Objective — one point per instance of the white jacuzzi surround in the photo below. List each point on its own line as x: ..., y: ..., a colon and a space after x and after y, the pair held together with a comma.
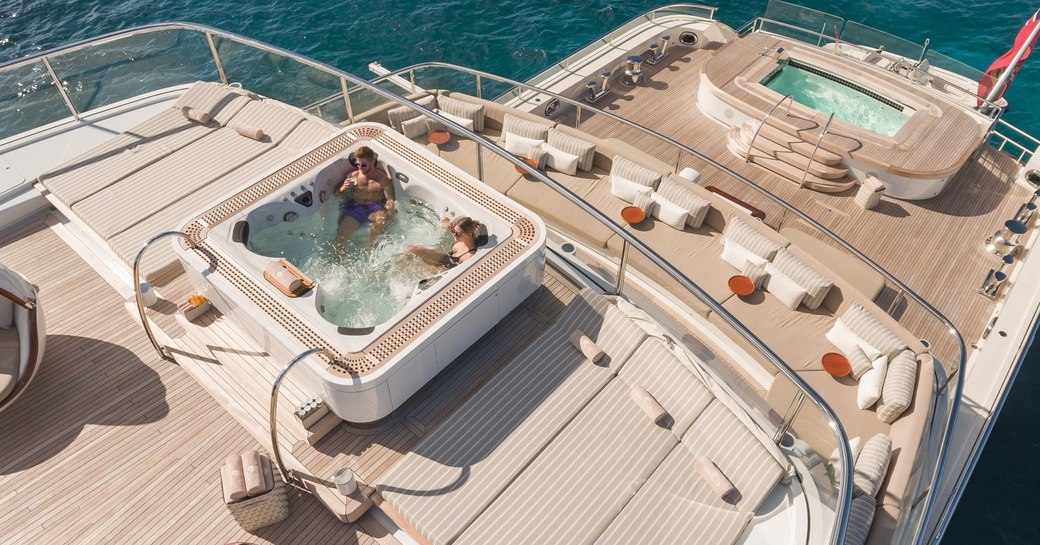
x: 373, y: 395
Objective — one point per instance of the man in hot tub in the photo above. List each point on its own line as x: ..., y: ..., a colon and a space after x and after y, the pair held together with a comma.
x: 368, y: 196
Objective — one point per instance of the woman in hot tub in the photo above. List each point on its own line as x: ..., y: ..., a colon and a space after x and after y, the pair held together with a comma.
x: 368, y: 196
x: 469, y: 234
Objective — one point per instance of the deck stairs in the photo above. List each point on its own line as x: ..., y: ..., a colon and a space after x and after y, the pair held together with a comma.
x: 786, y: 154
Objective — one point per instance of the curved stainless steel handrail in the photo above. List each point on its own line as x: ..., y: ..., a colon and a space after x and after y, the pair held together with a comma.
x: 276, y: 451
x: 762, y: 123
x: 816, y: 148
x: 137, y: 288
x: 941, y: 318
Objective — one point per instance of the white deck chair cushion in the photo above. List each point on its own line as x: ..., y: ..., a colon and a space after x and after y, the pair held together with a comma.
x: 585, y: 151
x: 668, y: 212
x: 872, y: 465
x: 562, y: 161
x: 757, y: 243
x: 738, y: 256
x: 627, y: 190
x: 786, y: 290
x: 873, y: 332
x: 871, y: 383
x: 399, y: 115
x: 465, y: 110
x: 846, y: 340
x: 859, y: 361
x: 898, y: 390
x: 816, y: 285
x: 696, y: 207
x: 527, y: 128
x: 6, y: 313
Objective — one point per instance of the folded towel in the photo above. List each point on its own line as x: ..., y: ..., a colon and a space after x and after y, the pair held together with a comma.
x: 586, y: 346
x: 650, y: 406
x: 716, y: 479
x: 225, y: 481
x: 254, y: 476
x: 268, y: 471
x: 195, y: 115
x: 235, y: 487
x: 248, y: 131
x: 280, y: 276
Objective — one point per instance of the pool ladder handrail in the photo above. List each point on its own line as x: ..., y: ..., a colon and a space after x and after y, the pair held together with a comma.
x: 751, y: 144
x: 287, y: 474
x: 816, y: 148
x: 163, y: 354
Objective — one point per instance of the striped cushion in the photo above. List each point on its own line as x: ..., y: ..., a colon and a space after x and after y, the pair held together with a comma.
x: 872, y: 465
x: 861, y: 516
x: 755, y: 242
x: 399, y: 115
x: 816, y: 285
x: 756, y: 271
x: 625, y: 169
x: 525, y: 127
x: 586, y: 151
x: 873, y: 332
x: 467, y: 110
x: 859, y: 361
x: 898, y: 391
x: 693, y: 203
x: 644, y: 202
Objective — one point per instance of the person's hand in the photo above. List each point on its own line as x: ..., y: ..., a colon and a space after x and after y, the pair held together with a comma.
x: 348, y: 183
x: 390, y: 205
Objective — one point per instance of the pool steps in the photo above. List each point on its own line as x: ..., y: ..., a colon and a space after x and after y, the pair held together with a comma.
x: 787, y: 155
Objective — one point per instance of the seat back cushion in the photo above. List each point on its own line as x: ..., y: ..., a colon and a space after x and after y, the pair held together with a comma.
x: 816, y: 285
x: 467, y: 110
x: 695, y: 205
x: 399, y: 115
x: 585, y: 150
x: 536, y: 130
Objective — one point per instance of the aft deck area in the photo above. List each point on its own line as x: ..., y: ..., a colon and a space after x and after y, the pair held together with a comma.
x: 919, y: 242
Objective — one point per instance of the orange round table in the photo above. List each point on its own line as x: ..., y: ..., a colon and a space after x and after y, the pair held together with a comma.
x: 440, y: 137
x: 836, y: 364
x: 632, y: 214
x: 530, y: 162
x: 741, y: 285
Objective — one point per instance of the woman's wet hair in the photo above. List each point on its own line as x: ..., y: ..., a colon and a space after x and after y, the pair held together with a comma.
x: 472, y: 227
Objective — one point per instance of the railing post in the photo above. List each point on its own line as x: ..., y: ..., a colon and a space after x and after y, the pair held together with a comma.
x: 480, y: 162
x: 577, y: 116
x: 788, y: 421
x: 137, y: 288
x: 480, y: 92
x: 619, y: 283
x: 346, y: 99
x: 287, y: 474
x: 924, y: 50
x: 61, y: 88
x: 411, y: 79
x: 216, y: 57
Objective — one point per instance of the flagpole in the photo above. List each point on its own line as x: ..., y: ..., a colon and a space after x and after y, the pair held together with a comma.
x: 1009, y: 71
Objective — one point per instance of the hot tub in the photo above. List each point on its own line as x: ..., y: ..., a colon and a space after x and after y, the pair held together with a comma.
x: 382, y: 359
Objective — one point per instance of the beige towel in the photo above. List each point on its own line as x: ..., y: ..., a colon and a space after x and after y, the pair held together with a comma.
x: 248, y: 131
x: 281, y: 276
x: 650, y: 406
x: 254, y: 476
x: 586, y: 346
x: 716, y: 479
x: 195, y: 115
x: 225, y: 480
x: 235, y: 487
x: 268, y: 471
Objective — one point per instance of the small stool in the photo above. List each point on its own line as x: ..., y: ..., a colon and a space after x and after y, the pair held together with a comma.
x: 869, y: 194
x: 690, y: 174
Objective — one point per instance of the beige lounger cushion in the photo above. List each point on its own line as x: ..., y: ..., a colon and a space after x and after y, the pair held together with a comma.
x: 527, y: 128
x: 872, y: 331
x: 738, y: 231
x: 467, y: 110
x: 872, y: 465
x: 816, y: 285
x: 695, y: 205
x: 860, y: 518
x: 415, y: 127
x: 898, y: 391
x: 583, y: 149
x: 399, y: 115
x: 576, y: 486
x: 457, y: 470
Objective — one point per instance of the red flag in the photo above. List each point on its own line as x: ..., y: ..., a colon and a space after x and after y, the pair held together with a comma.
x: 997, y: 68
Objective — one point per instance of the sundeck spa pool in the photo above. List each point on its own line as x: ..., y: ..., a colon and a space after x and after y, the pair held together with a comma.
x: 389, y: 335
x: 828, y: 93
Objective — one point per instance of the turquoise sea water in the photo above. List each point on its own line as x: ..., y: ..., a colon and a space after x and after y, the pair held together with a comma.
x: 520, y: 37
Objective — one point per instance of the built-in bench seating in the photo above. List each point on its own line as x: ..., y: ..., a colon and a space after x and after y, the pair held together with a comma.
x: 798, y: 336
x: 554, y: 450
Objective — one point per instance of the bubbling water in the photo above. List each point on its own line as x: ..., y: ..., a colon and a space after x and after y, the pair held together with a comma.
x: 361, y: 286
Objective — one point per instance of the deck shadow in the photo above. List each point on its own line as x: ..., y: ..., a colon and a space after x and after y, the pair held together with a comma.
x: 82, y: 381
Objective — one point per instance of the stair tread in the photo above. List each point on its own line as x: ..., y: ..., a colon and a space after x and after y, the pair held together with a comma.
x: 777, y: 151
x: 796, y: 143
x: 794, y: 174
